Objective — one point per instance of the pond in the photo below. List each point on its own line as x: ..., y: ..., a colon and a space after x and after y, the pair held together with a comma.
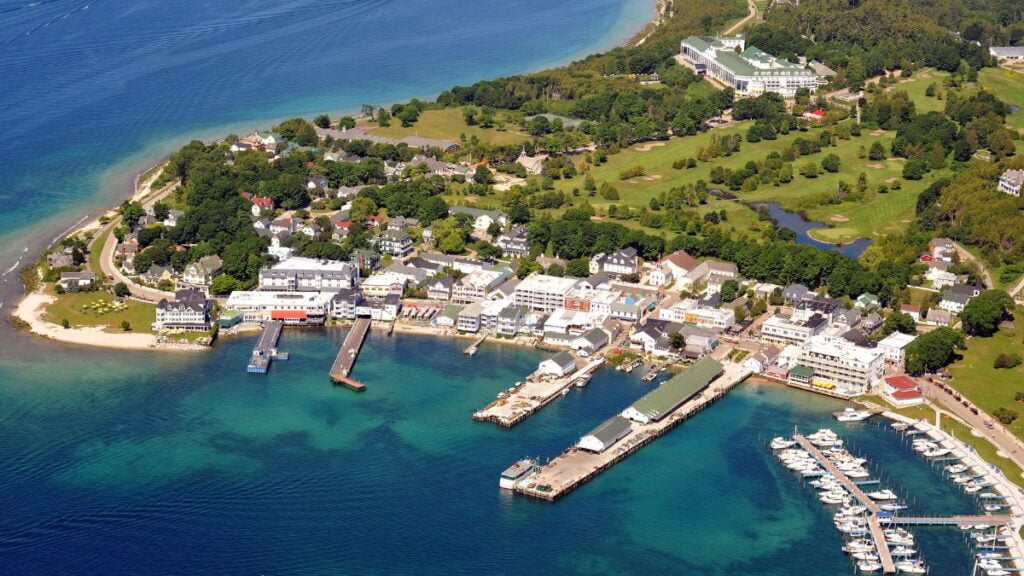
x: 801, y: 226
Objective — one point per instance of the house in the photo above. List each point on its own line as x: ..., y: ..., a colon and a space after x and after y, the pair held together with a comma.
x: 391, y: 306
x: 407, y: 274
x: 60, y: 260
x: 893, y: 348
x: 402, y: 223
x: 558, y: 365
x: 380, y: 284
x: 469, y: 318
x: 311, y: 229
x: 759, y: 361
x: 261, y: 203
x: 283, y: 224
x: 815, y: 115
x: 867, y: 301
x: 533, y: 164
x: 708, y: 276
x: 619, y: 263
x: 871, y: 322
x: 902, y: 391
x: 511, y: 319
x: 604, y: 436
x: 345, y: 302
x: 448, y: 318
x: 482, y: 219
x: 440, y: 289
x: 202, y: 272
x: 190, y: 311
x: 157, y: 274
x: 956, y: 297
x: 589, y: 342
x: 795, y: 293
x: 676, y: 265
x: 514, y: 243
x: 941, y: 249
x: 394, y: 242
x: 277, y: 249
x: 72, y: 281
x: 1011, y: 182
x: 938, y: 317
x: 939, y: 276
x: 317, y: 185
x: 912, y: 311
x: 1007, y: 52
x: 172, y: 218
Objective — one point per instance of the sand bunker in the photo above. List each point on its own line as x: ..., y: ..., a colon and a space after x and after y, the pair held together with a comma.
x: 876, y: 166
x: 878, y: 132
x: 648, y: 146
x: 839, y: 218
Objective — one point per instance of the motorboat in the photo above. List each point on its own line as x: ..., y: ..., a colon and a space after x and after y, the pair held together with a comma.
x: 866, y: 556
x: 780, y: 443
x: 924, y: 446
x: 858, y: 546
x: 972, y: 488
x: 893, y: 506
x: 990, y: 555
x: 865, y: 566
x: 957, y: 479
x: 899, y: 426
x: 956, y: 468
x: 882, y: 495
x: 938, y: 452
x: 857, y: 473
x: 993, y: 507
x: 853, y: 415
x: 900, y: 540
x: 902, y: 551
x: 833, y: 497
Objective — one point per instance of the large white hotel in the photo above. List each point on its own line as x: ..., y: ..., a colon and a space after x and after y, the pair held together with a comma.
x: 746, y: 68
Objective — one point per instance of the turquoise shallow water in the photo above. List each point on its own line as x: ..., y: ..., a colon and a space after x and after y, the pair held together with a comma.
x: 155, y: 464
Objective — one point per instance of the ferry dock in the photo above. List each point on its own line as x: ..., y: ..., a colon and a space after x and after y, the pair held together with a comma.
x: 525, y: 398
x: 265, y: 349
x: 341, y: 370
x: 637, y: 426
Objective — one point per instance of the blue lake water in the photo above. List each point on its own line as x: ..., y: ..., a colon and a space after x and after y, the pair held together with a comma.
x: 118, y: 463
x: 802, y: 226
x: 96, y: 91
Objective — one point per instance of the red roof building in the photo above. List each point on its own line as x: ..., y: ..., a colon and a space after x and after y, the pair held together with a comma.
x: 902, y: 391
x: 289, y: 316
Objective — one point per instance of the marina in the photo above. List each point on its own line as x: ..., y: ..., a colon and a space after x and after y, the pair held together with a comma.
x: 265, y: 350
x: 341, y: 370
x: 708, y: 382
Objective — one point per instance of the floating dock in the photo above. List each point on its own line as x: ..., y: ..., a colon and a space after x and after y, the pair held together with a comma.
x: 471, y: 350
x: 341, y: 370
x: 576, y: 466
x: 524, y: 399
x: 265, y: 349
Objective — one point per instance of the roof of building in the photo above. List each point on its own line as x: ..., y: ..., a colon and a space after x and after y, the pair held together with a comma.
x: 611, y: 429
x: 681, y: 259
x: 1007, y: 51
x: 801, y: 371
x: 563, y: 358
x: 544, y: 283
x: 680, y: 388
x: 956, y: 296
x: 897, y: 340
x: 476, y: 212
x: 595, y: 337
x: 902, y: 382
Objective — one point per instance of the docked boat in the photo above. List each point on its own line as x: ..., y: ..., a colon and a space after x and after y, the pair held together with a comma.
x: 899, y: 426
x: 856, y: 473
x: 882, y: 495
x: 902, y: 551
x: 865, y: 566
x: 866, y: 556
x: 912, y: 567
x: 858, y: 546
x: 893, y: 506
x: 516, y: 473
x: 780, y: 443
x: 938, y: 452
x: 852, y: 415
x: 993, y: 507
x: 956, y: 468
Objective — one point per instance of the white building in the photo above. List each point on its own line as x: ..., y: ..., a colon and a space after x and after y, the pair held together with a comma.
x: 558, y: 365
x: 201, y: 272
x: 190, y: 310
x: 482, y: 219
x: 542, y: 292
x: 624, y: 261
x: 1011, y: 182
x: 604, y: 436
x: 476, y: 285
x: 380, y: 284
x: 784, y: 330
x: 750, y: 71
x: 851, y: 368
x: 294, y: 307
x: 893, y: 348
x: 307, y: 275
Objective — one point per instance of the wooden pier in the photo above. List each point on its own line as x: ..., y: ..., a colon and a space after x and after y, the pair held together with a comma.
x: 530, y: 396
x: 265, y: 348
x: 977, y: 520
x: 874, y: 524
x: 471, y: 350
x: 341, y: 370
x: 575, y: 467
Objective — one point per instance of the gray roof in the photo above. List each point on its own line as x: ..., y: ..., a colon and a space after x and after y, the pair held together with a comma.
x: 611, y: 430
x: 595, y: 336
x: 476, y: 212
x: 665, y: 398
x: 563, y: 358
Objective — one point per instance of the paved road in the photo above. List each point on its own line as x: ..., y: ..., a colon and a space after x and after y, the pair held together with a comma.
x: 998, y: 435
x: 986, y: 277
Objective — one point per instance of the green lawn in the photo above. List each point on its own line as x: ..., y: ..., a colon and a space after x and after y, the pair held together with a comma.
x: 916, y: 85
x: 975, y: 377
x: 877, y: 215
x: 80, y: 309
x: 96, y: 251
x: 448, y: 124
x: 1008, y: 86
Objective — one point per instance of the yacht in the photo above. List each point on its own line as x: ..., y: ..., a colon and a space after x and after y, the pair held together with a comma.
x: 956, y: 468
x: 893, y: 506
x: 899, y: 426
x: 516, y: 473
x: 993, y: 508
x: 866, y: 556
x: 855, y: 546
x: 865, y: 566
x: 833, y: 497
x: 957, y: 479
x: 780, y: 443
x: 924, y: 446
x: 902, y: 551
x: 857, y: 473
x: 882, y: 495
x: 912, y: 567
x: 937, y: 452
x: 989, y: 555
x: 972, y: 488
x: 853, y: 415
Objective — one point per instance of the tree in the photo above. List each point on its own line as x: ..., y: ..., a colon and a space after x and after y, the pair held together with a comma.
x: 877, y: 151
x: 494, y: 229
x: 161, y: 211
x: 121, y: 290
x: 608, y: 192
x: 450, y: 236
x: 915, y: 169
x: 383, y: 118
x: 931, y: 351
x: 347, y: 123
x: 65, y: 324
x: 809, y: 170
x: 578, y: 268
x: 730, y: 289
x: 830, y: 163
x: 224, y: 284
x: 322, y: 121
x: 483, y: 175
x: 125, y: 326
x: 899, y: 322
x: 556, y: 270
x: 982, y: 315
x: 677, y: 340
x: 1005, y: 415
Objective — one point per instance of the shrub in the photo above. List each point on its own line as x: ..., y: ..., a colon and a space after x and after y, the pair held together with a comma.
x: 1005, y: 415
x: 632, y: 172
x: 1007, y: 361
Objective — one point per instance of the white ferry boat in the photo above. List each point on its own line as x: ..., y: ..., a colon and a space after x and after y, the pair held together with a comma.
x: 516, y: 472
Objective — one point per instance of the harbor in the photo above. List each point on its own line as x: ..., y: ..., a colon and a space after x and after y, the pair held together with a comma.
x: 638, y: 425
x: 341, y: 370
x: 538, y: 390
x: 265, y: 350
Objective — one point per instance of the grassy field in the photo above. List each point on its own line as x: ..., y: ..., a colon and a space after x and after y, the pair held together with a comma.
x: 448, y: 124
x: 73, y: 307
x: 879, y: 214
x: 916, y: 85
x: 1009, y: 87
x: 975, y: 377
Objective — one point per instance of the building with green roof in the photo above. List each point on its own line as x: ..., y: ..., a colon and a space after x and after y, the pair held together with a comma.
x: 674, y: 392
x: 748, y: 69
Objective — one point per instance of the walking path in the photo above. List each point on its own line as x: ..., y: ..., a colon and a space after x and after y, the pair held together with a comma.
x: 964, y: 254
x: 752, y: 7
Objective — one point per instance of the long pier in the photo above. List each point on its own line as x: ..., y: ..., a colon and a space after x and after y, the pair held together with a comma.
x: 874, y: 524
x: 575, y: 467
x: 978, y: 520
x: 265, y: 348
x: 530, y: 396
x: 341, y: 370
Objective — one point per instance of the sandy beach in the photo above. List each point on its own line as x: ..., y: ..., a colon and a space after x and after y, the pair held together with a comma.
x: 30, y: 309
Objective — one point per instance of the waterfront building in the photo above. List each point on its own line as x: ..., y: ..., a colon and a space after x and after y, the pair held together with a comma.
x: 893, y: 348
x: 902, y: 391
x: 72, y: 281
x: 408, y: 274
x: 469, y: 317
x: 345, y: 303
x: 749, y: 71
x: 511, y: 320
x: 589, y: 342
x: 761, y: 360
x: 189, y: 311
x: 477, y: 285
x: 449, y: 316
x: 852, y: 369
x: 440, y: 289
x: 785, y: 330
x: 604, y: 436
x: 558, y: 365
x: 307, y: 275
x: 380, y: 284
x: 543, y: 293
x: 672, y: 393
x: 289, y: 307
